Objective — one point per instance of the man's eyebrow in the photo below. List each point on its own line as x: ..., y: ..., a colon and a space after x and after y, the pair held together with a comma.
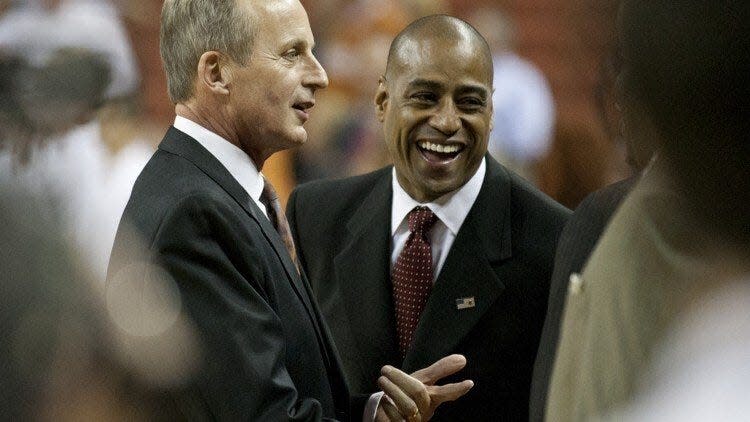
x: 299, y: 43
x: 424, y: 83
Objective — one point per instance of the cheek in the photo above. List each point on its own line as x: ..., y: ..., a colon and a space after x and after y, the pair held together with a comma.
x: 273, y: 96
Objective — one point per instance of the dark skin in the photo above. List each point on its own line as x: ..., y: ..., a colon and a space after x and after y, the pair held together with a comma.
x: 436, y: 108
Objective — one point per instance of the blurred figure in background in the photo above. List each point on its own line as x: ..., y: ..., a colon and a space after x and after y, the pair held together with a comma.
x: 13, y: 123
x: 77, y: 65
x: 683, y: 233
x: 524, y: 110
x: 64, y: 357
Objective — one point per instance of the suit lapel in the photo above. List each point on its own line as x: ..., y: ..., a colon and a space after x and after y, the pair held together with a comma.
x: 178, y: 143
x: 472, y: 269
x: 362, y: 270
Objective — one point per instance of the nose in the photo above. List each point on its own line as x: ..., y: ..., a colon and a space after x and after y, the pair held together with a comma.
x: 446, y: 118
x: 316, y: 77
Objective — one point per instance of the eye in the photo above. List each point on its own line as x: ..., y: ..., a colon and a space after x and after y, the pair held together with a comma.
x: 291, y: 54
x: 424, y: 97
x: 471, y: 103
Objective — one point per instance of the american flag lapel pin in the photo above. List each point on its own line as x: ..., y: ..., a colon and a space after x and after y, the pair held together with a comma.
x: 465, y: 302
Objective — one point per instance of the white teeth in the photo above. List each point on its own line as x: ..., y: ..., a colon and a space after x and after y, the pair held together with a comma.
x: 447, y: 149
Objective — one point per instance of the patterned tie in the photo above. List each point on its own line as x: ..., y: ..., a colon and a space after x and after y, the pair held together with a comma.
x: 270, y: 199
x: 412, y: 276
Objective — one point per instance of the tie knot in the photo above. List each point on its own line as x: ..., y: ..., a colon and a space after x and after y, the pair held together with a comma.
x: 269, y: 193
x: 421, y: 220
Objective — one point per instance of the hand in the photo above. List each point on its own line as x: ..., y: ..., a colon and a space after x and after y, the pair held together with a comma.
x: 415, y: 397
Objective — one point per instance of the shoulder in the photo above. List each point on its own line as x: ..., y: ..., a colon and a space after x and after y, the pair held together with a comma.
x: 171, y: 191
x: 342, y: 187
x: 339, y: 194
x: 607, y: 199
x: 529, y: 202
x: 595, y: 211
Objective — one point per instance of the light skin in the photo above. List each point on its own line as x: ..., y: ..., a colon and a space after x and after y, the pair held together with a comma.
x: 437, y: 95
x: 261, y: 106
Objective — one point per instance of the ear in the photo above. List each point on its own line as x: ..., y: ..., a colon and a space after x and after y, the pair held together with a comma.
x: 214, y: 73
x: 381, y: 99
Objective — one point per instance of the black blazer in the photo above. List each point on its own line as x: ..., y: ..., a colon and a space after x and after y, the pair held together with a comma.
x: 502, y: 257
x: 266, y: 353
x: 577, y: 241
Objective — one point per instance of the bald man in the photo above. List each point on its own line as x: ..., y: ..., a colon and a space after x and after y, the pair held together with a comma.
x: 444, y: 252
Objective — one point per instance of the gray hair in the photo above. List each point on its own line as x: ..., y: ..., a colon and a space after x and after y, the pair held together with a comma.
x: 189, y: 28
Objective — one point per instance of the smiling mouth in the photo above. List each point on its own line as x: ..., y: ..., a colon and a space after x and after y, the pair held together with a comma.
x: 439, y: 153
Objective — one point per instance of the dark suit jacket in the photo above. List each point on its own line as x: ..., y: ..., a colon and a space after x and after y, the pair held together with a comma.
x: 577, y: 241
x: 267, y: 354
x: 502, y: 256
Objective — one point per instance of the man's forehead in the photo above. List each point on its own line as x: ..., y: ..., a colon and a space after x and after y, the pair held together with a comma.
x: 423, y: 62
x: 461, y: 56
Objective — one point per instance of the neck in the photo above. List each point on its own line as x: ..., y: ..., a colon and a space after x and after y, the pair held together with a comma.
x: 221, y: 127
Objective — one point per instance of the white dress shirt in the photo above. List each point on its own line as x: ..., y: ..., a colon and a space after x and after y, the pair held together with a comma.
x: 235, y: 160
x: 451, y: 210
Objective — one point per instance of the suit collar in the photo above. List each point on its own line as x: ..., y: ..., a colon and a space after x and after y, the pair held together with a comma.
x: 235, y: 160
x: 362, y: 268
x: 450, y: 208
x: 179, y: 143
x: 475, y: 268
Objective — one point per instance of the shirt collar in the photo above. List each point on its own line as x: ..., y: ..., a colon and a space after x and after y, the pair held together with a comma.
x: 236, y: 161
x: 451, y: 208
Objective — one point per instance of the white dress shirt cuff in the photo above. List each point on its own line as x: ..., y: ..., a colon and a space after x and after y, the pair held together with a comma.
x: 371, y: 409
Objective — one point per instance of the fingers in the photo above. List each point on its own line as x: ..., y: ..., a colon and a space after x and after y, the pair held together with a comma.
x: 413, y: 396
x: 448, y: 365
x: 449, y: 392
x: 407, y: 403
x: 390, y: 410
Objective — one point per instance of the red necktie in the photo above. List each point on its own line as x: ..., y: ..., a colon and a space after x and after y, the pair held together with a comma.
x: 412, y: 276
x: 270, y: 199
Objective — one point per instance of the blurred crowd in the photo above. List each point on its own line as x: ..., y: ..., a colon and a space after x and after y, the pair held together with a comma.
x: 84, y: 105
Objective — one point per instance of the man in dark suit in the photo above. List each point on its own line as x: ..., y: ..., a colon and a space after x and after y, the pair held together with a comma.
x: 213, y: 224
x: 446, y: 251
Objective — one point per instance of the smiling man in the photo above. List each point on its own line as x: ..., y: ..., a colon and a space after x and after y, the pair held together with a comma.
x: 243, y: 77
x: 446, y: 251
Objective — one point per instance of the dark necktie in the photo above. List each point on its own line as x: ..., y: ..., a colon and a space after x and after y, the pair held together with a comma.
x: 270, y: 199
x: 412, y: 276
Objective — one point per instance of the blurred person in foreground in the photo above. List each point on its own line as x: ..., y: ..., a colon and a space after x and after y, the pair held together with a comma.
x: 444, y: 252
x: 683, y: 232
x: 62, y: 353
x: 581, y: 234
x: 243, y: 91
